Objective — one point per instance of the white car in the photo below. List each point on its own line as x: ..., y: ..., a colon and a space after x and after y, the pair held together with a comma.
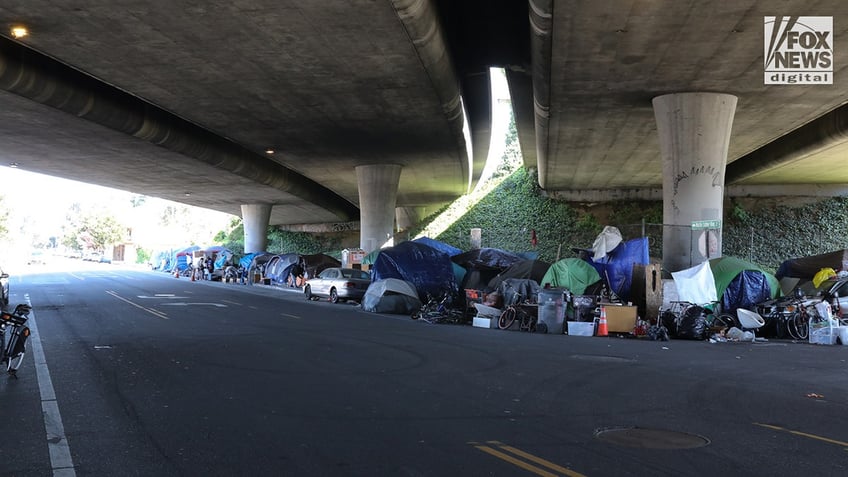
x: 338, y: 284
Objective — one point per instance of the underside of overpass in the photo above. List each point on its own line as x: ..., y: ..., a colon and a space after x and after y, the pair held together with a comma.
x: 277, y: 102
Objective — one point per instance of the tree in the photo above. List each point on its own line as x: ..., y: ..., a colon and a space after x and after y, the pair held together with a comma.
x: 94, y: 232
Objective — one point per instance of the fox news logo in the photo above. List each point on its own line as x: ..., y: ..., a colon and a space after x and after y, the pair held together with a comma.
x: 798, y: 50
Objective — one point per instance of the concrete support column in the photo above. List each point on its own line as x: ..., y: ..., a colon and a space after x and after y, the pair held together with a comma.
x: 694, y: 133
x: 406, y: 217
x: 378, y: 186
x: 255, y: 218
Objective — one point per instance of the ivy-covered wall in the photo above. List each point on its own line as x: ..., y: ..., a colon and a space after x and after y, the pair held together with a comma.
x: 766, y: 231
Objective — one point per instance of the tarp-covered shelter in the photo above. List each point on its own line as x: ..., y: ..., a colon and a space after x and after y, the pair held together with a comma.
x: 742, y: 284
x: 428, y: 269
x: 279, y: 266
x: 448, y: 249
x: 391, y: 295
x: 529, y: 269
x: 483, y: 265
x: 571, y: 273
x: 181, y: 259
x: 317, y: 263
x: 806, y: 268
x: 617, y: 265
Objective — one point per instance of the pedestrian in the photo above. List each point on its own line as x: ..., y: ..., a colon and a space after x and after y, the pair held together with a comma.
x: 296, y: 275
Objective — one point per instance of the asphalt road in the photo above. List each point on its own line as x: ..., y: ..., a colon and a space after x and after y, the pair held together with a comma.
x: 145, y: 374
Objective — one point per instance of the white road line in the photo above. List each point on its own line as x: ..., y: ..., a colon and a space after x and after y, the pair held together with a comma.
x: 153, y: 312
x: 57, y: 442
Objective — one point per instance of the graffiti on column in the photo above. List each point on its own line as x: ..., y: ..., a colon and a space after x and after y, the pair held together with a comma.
x: 698, y: 171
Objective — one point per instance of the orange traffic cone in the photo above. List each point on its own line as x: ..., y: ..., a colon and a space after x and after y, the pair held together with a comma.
x: 602, y: 325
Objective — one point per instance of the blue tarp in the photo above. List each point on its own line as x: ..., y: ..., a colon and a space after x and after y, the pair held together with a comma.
x: 430, y: 270
x: 617, y: 265
x: 748, y: 289
x: 448, y: 249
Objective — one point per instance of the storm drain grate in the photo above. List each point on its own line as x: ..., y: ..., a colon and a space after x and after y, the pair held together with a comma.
x: 641, y: 438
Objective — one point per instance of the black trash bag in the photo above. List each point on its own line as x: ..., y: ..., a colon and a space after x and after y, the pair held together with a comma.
x: 692, y: 324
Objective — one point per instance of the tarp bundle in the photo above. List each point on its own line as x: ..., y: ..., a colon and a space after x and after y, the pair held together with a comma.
x: 391, y: 296
x: 428, y: 269
x: 806, y: 268
x: 528, y: 269
x: 571, y: 273
x: 617, y: 266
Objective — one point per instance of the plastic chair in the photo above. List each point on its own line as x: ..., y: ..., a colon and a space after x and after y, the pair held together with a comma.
x: 751, y: 321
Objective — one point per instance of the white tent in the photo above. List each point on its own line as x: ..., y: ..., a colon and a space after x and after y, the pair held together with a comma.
x: 391, y: 295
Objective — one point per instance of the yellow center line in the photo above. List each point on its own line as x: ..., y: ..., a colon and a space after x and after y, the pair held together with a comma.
x: 514, y: 461
x: 153, y: 312
x: 537, y: 460
x: 290, y: 316
x: 803, y: 434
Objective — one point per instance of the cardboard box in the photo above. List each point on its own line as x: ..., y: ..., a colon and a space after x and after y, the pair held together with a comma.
x: 620, y: 319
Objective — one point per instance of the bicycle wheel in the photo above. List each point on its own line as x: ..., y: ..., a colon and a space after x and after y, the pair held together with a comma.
x: 724, y: 320
x: 507, y: 318
x: 797, y: 326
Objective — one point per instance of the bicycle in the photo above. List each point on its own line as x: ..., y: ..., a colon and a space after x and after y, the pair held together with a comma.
x: 526, y: 320
x: 439, y: 310
x: 13, y: 337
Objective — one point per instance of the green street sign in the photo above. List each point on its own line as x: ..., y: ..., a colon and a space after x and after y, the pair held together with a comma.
x: 706, y: 224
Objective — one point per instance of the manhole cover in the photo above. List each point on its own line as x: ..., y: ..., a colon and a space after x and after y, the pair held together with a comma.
x: 641, y: 438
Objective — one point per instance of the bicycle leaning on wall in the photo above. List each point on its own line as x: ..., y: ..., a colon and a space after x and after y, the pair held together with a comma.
x: 13, y: 337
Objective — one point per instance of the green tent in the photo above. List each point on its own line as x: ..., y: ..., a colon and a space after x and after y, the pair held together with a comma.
x: 572, y: 273
x: 725, y: 270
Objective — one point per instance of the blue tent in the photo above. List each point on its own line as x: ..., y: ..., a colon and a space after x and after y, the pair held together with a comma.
x: 430, y: 270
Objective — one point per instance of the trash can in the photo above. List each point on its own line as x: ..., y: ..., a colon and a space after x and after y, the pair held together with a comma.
x: 552, y: 310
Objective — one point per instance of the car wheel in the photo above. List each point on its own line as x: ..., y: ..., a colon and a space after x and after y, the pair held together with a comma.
x: 308, y: 292
x: 334, y: 297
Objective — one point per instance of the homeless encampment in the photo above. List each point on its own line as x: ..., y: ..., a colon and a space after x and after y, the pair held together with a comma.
x: 806, y: 268
x: 181, y: 259
x: 425, y: 267
x: 571, y: 273
x: 391, y: 295
x: 448, y: 249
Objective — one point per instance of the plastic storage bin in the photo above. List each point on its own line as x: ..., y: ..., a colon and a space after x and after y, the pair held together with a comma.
x: 552, y: 310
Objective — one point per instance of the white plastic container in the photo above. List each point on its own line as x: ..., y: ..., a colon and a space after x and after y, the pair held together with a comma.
x: 581, y: 328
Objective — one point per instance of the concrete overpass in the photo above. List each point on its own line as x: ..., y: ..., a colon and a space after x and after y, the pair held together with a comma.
x: 187, y: 102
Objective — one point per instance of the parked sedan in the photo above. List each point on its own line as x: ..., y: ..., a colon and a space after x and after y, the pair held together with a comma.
x: 4, y: 287
x: 338, y: 284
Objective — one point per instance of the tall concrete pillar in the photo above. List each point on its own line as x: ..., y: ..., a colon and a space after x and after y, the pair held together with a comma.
x: 694, y: 132
x: 378, y: 186
x: 255, y: 218
x: 406, y: 217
